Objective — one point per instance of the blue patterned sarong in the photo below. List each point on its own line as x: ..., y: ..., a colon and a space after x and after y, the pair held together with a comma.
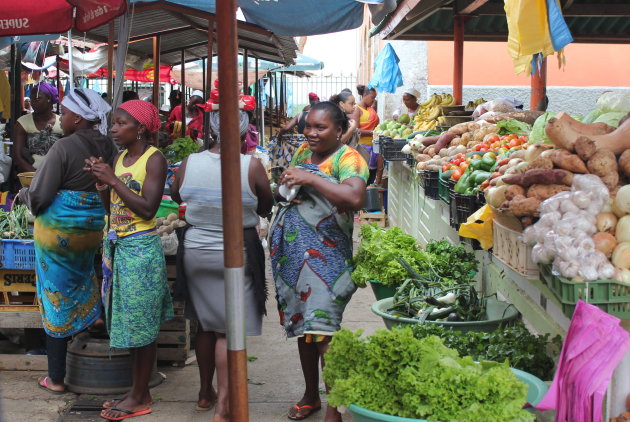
x: 67, y: 236
x: 311, y: 255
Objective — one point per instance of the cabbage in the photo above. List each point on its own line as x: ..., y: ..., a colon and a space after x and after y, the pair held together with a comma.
x: 538, y: 134
x: 611, y: 119
x: 614, y: 101
x: 590, y: 117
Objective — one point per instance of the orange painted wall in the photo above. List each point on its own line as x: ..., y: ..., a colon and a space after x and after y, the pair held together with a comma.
x: 488, y: 63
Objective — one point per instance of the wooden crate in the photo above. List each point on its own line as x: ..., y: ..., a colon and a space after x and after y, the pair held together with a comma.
x: 380, y: 218
x: 173, y: 342
x: 18, y: 291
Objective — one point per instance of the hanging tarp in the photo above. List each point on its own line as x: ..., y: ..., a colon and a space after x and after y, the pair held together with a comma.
x: 32, y: 17
x: 387, y: 75
x: 145, y: 75
x: 303, y: 17
x: 536, y: 30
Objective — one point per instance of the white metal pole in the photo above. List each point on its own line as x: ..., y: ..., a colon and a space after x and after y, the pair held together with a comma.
x: 71, y: 71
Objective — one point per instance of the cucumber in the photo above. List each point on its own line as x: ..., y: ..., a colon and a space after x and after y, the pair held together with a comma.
x: 418, y: 132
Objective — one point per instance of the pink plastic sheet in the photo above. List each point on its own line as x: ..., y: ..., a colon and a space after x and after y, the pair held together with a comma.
x: 594, y: 346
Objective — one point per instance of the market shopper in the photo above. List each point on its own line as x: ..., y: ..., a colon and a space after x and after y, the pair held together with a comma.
x: 198, y: 183
x: 311, y: 244
x: 346, y: 101
x: 366, y: 115
x: 194, y: 117
x: 36, y: 132
x: 68, y: 228
x: 410, y: 106
x: 299, y: 120
x: 135, y: 292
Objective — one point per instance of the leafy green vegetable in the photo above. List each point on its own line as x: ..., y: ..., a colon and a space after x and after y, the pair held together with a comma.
x: 516, y: 344
x: 507, y: 127
x: 14, y: 224
x: 394, y: 373
x: 452, y: 262
x: 180, y: 149
x: 611, y: 118
x: 376, y: 259
x: 538, y: 135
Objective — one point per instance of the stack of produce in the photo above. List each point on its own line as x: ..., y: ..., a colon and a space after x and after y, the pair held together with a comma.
x: 16, y: 224
x: 471, y: 105
x: 395, y: 129
x: 427, y: 115
x: 394, y: 373
x: 166, y: 230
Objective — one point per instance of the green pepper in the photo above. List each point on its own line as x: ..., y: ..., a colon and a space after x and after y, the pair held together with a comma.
x: 487, y: 162
x: 479, y: 177
x: 476, y: 164
x: 462, y: 183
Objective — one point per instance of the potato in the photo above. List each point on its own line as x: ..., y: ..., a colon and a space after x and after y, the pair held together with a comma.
x: 471, y: 144
x: 624, y: 162
x: 159, y: 221
x: 518, y: 154
x: 565, y: 160
x: 503, y: 169
x: 465, y: 138
x: 472, y: 126
x: 611, y: 180
x: 420, y: 158
x: 513, y: 191
x: 443, y: 152
x: 172, y: 217
x: 161, y: 230
x: 543, y: 192
x: 430, y: 151
x: 181, y: 223
x: 459, y: 129
x: 456, y: 141
x: 525, y: 207
x: 602, y: 163
x: 585, y: 148
x: 541, y: 162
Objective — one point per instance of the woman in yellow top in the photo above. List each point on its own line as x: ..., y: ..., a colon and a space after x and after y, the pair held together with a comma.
x: 135, y: 293
x: 368, y: 120
x: 36, y: 132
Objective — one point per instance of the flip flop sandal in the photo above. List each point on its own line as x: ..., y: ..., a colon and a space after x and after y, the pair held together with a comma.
x: 43, y: 384
x: 204, y: 409
x: 110, y: 403
x: 311, y: 409
x: 127, y: 413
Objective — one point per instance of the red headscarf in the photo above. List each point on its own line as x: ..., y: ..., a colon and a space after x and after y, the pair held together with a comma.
x: 144, y: 112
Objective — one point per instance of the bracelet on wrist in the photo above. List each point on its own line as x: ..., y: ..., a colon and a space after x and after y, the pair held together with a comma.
x: 102, y: 187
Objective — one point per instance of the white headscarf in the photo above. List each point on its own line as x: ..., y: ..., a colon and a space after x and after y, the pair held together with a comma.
x: 215, y: 123
x: 88, y: 104
x: 412, y: 91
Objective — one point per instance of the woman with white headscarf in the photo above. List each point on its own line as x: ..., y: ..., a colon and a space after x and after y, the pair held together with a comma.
x: 68, y: 227
x: 411, y: 97
x: 198, y: 183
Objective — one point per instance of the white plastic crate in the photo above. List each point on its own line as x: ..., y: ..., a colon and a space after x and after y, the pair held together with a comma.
x: 514, y: 253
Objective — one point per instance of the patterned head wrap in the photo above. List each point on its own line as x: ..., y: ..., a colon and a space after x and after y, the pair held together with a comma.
x: 215, y: 124
x: 144, y: 112
x: 88, y: 104
x: 47, y: 89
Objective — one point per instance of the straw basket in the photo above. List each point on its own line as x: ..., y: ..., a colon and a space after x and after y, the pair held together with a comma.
x: 26, y: 178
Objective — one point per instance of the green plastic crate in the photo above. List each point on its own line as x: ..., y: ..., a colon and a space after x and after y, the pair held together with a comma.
x: 167, y: 207
x: 443, y: 191
x: 610, y: 296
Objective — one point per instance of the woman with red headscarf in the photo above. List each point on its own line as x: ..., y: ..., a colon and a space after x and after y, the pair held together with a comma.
x: 135, y: 293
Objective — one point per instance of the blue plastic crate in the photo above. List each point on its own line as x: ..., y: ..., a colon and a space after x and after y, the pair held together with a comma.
x: 17, y: 254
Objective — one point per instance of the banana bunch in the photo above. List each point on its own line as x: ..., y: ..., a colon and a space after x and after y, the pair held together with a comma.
x: 177, y: 130
x: 428, y: 125
x: 473, y: 104
x: 438, y: 99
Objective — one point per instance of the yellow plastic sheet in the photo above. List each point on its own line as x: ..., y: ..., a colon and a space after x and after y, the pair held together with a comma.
x: 479, y: 227
x: 528, y: 29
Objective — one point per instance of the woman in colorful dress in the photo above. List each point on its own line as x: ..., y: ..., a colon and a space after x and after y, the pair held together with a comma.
x: 194, y: 117
x: 198, y: 183
x: 135, y: 292
x: 36, y: 132
x: 311, y: 244
x: 69, y: 228
x: 368, y: 120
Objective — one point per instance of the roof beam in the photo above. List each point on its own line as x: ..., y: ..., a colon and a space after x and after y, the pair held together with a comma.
x: 423, y: 11
x: 403, y: 8
x: 574, y: 10
x: 471, y: 7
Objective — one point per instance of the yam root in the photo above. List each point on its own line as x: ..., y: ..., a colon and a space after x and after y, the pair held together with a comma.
x: 567, y: 179
x: 543, y: 192
x: 563, y: 130
x: 603, y: 162
x: 420, y: 158
x: 459, y: 129
x: 624, y: 162
x: 525, y: 207
x: 430, y: 140
x: 513, y: 191
x: 541, y: 162
x: 567, y: 161
x: 611, y: 180
x: 430, y: 151
x: 536, y: 177
x: 585, y: 147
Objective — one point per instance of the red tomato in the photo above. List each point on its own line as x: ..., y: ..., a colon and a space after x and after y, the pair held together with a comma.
x: 483, y: 147
x: 445, y: 167
x: 456, y: 175
x: 477, y: 147
x: 523, y: 138
x: 514, y: 143
x: 494, y: 139
x: 463, y: 166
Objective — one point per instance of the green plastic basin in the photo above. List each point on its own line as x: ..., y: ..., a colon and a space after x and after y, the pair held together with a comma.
x: 167, y: 207
x: 536, y: 390
x: 498, y: 314
x: 381, y: 291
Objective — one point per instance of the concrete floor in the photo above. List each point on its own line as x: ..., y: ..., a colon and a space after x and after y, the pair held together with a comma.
x: 276, y: 381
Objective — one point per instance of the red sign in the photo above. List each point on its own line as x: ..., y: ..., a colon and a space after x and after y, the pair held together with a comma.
x: 146, y: 75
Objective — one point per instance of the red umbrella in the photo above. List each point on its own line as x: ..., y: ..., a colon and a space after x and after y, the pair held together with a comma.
x: 34, y: 17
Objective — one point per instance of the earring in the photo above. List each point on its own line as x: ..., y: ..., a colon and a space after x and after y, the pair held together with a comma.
x: 139, y: 137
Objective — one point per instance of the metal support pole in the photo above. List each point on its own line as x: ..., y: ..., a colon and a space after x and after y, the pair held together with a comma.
x: 156, y: 72
x: 539, y: 85
x: 70, y: 61
x: 458, y: 65
x: 110, y: 64
x: 203, y: 77
x: 245, y: 72
x: 210, y: 54
x: 258, y: 104
x: 183, y: 81
x: 232, y: 221
x: 58, y: 79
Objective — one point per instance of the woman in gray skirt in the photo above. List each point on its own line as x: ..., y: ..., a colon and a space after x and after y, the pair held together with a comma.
x: 198, y: 183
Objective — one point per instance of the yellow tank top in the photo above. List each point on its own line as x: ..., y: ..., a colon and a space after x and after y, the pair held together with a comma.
x: 122, y: 220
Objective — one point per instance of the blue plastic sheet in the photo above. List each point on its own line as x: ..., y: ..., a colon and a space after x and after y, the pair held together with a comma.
x: 387, y: 75
x: 558, y: 29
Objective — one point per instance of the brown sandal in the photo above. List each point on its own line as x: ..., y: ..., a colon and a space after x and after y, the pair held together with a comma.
x: 310, y: 408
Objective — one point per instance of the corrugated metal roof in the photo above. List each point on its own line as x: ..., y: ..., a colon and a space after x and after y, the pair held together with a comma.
x: 180, y: 30
x: 590, y: 21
